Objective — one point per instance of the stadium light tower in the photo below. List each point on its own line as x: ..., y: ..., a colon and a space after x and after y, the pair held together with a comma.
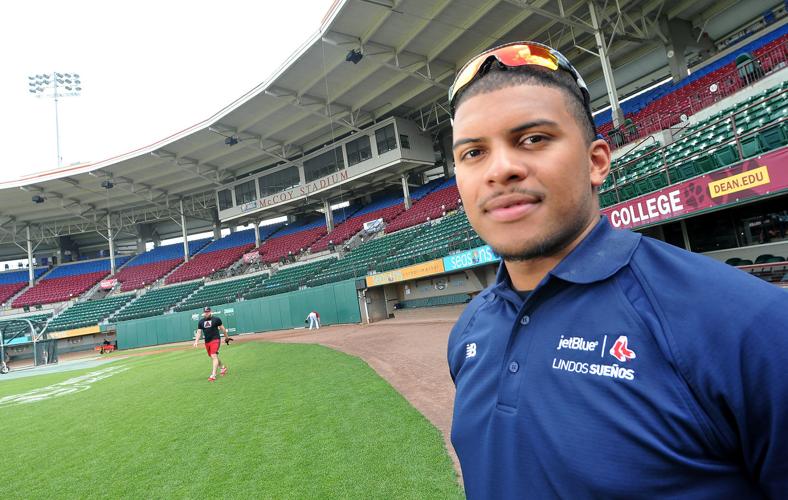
x: 55, y: 86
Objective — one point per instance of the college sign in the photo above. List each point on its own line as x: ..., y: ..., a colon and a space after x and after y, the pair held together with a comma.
x: 756, y: 177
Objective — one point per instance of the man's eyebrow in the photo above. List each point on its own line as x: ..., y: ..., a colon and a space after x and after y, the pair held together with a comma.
x: 460, y: 142
x: 532, y: 124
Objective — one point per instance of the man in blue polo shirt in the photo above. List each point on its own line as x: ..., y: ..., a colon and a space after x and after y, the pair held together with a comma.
x: 601, y: 364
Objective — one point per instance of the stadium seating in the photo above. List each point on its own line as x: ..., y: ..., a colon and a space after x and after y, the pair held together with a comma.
x: 157, y: 301
x: 220, y: 254
x: 447, y: 235
x: 386, y: 209
x: 361, y: 261
x: 662, y: 107
x: 432, y: 206
x: 88, y: 313
x: 222, y: 292
x: 12, y: 282
x: 148, y: 267
x: 67, y: 281
x: 288, y: 279
x: 420, y: 192
x: 702, y: 147
x: 403, y: 248
x: 291, y: 240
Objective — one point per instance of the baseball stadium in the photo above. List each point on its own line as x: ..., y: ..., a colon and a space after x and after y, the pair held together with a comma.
x: 330, y: 189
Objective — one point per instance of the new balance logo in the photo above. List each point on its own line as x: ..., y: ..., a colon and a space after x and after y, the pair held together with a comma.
x: 620, y: 351
x: 470, y: 350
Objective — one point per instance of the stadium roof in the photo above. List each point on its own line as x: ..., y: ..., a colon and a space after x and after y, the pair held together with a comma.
x: 411, y: 49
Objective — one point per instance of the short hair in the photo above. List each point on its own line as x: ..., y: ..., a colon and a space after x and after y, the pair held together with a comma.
x: 500, y: 76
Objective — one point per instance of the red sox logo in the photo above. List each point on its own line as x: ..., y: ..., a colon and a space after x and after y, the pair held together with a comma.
x: 620, y: 351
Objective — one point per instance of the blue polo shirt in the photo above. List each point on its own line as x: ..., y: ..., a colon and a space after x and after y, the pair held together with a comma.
x: 634, y: 370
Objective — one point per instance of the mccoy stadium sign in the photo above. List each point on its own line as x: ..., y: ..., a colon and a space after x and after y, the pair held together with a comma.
x: 296, y: 192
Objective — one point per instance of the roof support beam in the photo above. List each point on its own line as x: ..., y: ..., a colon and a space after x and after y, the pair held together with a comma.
x: 577, y: 24
x: 309, y: 103
x: 390, y: 57
x: 190, y: 165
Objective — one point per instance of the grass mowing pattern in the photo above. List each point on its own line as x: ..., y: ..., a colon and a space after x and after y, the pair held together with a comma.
x: 289, y: 421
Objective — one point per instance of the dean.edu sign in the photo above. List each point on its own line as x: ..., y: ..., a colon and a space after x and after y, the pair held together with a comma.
x: 756, y: 177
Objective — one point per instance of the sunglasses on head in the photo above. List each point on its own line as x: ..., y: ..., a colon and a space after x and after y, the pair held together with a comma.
x: 513, y: 55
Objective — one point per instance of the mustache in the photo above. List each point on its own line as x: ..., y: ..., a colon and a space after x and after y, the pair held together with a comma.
x: 527, y: 192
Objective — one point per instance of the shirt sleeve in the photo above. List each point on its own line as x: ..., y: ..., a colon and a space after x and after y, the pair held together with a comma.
x: 735, y: 359
x: 753, y: 374
x: 218, y: 322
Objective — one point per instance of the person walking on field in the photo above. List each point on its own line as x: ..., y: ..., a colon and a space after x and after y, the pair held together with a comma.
x: 210, y: 326
x: 314, y: 320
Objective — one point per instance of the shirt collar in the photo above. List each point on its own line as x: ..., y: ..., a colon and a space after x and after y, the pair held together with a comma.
x: 600, y: 255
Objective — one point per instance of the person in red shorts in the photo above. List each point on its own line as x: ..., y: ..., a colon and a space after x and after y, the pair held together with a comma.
x: 210, y: 326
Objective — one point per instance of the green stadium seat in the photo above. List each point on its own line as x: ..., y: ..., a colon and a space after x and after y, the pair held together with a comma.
x: 658, y: 180
x: 687, y: 170
x: 752, y: 145
x: 705, y: 164
x: 727, y: 155
x: 774, y: 137
x: 763, y: 258
x: 643, y: 186
x: 628, y: 191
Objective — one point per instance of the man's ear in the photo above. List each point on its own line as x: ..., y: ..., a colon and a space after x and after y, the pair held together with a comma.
x: 598, y: 162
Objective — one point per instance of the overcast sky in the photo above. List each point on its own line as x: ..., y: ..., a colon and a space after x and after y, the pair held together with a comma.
x: 148, y: 69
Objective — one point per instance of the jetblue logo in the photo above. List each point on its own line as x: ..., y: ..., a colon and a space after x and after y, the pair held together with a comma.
x: 576, y: 344
x: 470, y: 350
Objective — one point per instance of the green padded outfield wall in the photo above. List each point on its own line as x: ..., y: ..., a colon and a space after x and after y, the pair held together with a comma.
x: 336, y: 303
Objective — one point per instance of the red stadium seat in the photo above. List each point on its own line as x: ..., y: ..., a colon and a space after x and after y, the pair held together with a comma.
x: 430, y: 207
x: 133, y: 278
x: 52, y: 290
x: 281, y: 246
x: 344, y: 231
x: 205, y: 264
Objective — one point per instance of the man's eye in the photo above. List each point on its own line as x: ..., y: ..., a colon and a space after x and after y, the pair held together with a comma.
x: 471, y: 153
x: 533, y: 139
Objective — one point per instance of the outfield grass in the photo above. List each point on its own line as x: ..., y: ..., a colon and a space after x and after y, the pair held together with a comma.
x: 290, y: 421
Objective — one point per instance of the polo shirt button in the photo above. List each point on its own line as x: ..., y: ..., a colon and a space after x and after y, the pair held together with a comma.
x: 514, y: 366
x: 525, y: 320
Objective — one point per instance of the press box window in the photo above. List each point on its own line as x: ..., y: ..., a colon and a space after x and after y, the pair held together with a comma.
x: 279, y: 181
x: 404, y: 141
x: 244, y: 193
x: 358, y: 150
x: 225, y: 199
x: 323, y: 165
x: 386, y: 139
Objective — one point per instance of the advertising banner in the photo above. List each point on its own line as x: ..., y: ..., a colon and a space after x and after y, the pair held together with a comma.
x: 373, y: 226
x: 108, y: 284
x: 406, y: 273
x: 470, y: 258
x: 750, y: 179
x: 251, y: 257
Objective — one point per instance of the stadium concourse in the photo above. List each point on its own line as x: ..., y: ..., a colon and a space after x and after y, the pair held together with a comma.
x: 330, y: 186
